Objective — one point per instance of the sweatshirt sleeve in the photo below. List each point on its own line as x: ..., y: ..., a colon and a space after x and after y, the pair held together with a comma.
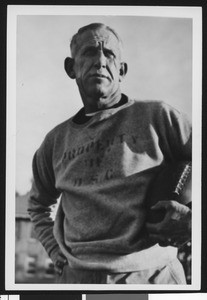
x: 175, y: 134
x: 43, y: 196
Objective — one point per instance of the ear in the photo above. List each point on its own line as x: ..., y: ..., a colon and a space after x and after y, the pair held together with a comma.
x: 123, y: 70
x: 69, y: 63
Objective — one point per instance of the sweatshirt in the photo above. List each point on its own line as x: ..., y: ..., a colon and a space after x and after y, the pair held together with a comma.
x: 101, y: 172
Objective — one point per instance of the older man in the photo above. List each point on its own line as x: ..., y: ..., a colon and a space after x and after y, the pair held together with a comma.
x: 101, y: 162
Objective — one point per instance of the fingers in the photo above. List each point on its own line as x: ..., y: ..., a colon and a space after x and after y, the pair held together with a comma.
x: 168, y: 205
x: 174, y: 210
x: 60, y: 263
x: 160, y: 204
x: 171, y: 205
x: 61, y: 258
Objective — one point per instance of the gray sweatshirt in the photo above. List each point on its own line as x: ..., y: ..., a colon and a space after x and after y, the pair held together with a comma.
x: 102, y: 170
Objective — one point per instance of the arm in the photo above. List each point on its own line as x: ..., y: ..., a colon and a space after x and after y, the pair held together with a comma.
x: 175, y: 136
x: 43, y: 196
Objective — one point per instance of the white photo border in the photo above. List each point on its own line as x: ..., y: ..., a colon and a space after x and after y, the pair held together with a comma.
x: 151, y: 11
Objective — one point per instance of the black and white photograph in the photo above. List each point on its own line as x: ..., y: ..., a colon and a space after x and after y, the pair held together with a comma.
x: 101, y: 162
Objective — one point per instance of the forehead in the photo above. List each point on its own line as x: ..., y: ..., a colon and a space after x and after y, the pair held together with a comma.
x: 96, y: 36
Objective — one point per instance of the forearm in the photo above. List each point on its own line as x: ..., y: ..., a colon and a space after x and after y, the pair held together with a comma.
x: 40, y: 211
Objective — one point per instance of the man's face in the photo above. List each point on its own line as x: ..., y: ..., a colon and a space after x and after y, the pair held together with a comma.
x: 97, y: 63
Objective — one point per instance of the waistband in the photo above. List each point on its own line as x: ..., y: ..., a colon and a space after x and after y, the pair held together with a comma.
x: 149, y: 258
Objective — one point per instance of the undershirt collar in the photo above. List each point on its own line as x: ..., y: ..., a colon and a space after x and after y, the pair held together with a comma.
x: 81, y: 117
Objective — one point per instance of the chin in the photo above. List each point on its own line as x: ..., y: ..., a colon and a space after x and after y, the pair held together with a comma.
x: 98, y: 93
x: 98, y: 89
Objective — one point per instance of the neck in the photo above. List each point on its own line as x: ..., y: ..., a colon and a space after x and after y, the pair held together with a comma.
x: 98, y: 103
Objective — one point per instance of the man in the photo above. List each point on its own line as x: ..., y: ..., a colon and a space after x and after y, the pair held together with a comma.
x: 101, y: 162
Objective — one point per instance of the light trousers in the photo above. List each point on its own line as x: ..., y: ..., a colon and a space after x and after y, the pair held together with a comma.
x: 170, y: 273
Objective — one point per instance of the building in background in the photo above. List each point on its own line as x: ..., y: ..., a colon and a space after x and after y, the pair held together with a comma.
x: 32, y: 264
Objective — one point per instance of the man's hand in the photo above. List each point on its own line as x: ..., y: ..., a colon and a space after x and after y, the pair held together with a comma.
x: 60, y: 262
x: 175, y: 228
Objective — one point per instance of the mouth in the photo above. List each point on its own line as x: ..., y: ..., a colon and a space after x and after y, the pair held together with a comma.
x: 98, y: 75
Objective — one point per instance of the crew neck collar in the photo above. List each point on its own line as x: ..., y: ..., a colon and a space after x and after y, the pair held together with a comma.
x: 81, y: 118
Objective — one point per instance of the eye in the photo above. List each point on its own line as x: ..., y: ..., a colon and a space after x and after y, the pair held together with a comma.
x: 90, y: 51
x: 109, y: 53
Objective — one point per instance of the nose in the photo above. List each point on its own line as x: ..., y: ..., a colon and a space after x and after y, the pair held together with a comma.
x: 100, y: 60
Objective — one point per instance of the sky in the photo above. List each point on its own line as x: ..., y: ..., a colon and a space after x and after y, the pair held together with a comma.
x: 158, y: 51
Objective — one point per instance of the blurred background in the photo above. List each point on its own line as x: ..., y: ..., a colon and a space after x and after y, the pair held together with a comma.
x: 158, y: 51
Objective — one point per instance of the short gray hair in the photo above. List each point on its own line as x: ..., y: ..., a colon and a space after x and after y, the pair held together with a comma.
x: 93, y: 26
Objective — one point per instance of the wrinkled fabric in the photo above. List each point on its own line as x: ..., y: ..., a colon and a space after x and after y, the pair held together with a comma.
x: 172, y: 273
x: 101, y: 170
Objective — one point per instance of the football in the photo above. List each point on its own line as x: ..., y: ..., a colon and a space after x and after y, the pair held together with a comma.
x: 172, y: 182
